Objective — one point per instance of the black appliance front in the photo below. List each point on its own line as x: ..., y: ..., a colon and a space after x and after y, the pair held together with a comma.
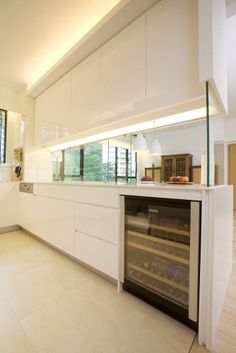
x: 162, y: 254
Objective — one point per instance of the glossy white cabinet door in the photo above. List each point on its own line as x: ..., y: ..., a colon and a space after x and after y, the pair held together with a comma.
x: 97, y: 253
x: 44, y: 129
x: 60, y: 105
x: 101, y: 222
x: 123, y: 72
x: 62, y: 223
x: 85, y: 93
x: 26, y: 211
x: 41, y: 217
x: 172, y: 53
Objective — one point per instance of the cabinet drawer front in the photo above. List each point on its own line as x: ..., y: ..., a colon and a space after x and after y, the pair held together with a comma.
x: 62, y: 192
x: 99, y: 254
x: 102, y: 196
x: 101, y: 222
x: 41, y: 189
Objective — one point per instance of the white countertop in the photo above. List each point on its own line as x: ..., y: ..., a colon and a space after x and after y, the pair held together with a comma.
x: 155, y: 186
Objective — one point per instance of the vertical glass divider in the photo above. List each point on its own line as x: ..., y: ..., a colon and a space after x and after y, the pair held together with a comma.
x: 208, y: 133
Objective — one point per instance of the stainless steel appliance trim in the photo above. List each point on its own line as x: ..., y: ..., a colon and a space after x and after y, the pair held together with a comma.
x: 194, y: 261
x: 122, y: 239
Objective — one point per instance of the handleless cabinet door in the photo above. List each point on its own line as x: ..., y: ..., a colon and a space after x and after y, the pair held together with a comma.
x: 60, y: 105
x: 41, y: 217
x: 123, y: 72
x: 62, y: 223
x: 85, y: 93
x: 172, y: 53
x: 97, y: 253
x: 100, y: 222
x: 26, y: 211
x: 52, y: 111
x: 44, y: 129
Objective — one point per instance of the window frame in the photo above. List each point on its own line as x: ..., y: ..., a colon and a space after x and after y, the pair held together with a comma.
x: 117, y: 177
x: 5, y: 137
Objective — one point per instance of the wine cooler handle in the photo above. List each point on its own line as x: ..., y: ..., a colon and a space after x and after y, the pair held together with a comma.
x: 194, y: 261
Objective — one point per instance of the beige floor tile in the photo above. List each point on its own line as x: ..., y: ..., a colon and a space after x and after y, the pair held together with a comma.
x: 70, y: 324
x: 56, y: 306
x: 12, y: 337
x: 159, y: 333
x: 77, y: 319
x: 14, y: 262
x: 31, y: 289
x: 14, y: 241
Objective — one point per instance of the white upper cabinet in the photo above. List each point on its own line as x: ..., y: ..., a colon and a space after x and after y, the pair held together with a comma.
x: 85, y: 93
x: 44, y: 130
x: 150, y: 65
x: 123, y: 72
x: 172, y: 53
x: 52, y: 111
x: 60, y: 105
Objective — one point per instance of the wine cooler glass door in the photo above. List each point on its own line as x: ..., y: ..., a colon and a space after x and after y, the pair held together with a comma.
x: 161, y: 250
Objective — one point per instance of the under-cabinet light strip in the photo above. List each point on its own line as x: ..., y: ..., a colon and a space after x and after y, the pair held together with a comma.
x: 160, y: 122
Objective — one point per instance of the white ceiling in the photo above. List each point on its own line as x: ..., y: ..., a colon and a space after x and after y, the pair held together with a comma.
x: 36, y: 33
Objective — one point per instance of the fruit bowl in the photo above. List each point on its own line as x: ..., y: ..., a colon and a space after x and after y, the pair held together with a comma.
x: 179, y: 180
x: 147, y: 180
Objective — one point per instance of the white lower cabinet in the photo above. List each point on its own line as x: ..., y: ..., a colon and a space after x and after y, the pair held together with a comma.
x: 26, y: 211
x: 41, y: 217
x: 86, y: 231
x: 62, y: 225
x: 101, y: 222
x: 97, y: 253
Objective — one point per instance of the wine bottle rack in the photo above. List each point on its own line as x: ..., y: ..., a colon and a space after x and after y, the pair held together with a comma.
x: 158, y: 250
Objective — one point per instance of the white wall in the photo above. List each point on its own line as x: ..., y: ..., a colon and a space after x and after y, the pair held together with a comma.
x: 8, y: 204
x: 8, y: 99
x: 26, y: 108
x: 212, y: 48
x: 230, y: 120
x: 13, y: 134
x: 38, y: 166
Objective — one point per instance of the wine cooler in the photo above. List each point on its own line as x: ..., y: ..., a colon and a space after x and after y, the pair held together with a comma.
x: 162, y: 254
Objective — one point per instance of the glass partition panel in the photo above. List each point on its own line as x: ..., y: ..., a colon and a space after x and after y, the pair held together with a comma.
x: 95, y: 164
x: 72, y: 164
x: 122, y: 160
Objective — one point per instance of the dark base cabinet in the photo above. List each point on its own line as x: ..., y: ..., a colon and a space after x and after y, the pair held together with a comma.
x: 162, y: 254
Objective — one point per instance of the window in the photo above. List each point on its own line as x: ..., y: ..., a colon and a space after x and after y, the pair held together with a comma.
x: 73, y: 163
x: 100, y: 161
x: 3, y: 130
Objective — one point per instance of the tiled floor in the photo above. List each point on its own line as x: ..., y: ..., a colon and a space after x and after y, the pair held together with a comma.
x: 49, y: 304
